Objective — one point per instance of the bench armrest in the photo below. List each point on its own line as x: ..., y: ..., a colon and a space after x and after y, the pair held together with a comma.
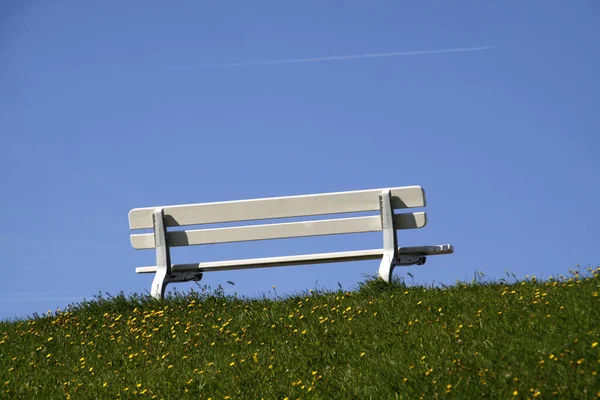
x: 426, y: 250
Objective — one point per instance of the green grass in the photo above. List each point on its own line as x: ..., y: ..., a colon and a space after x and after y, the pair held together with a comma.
x: 526, y: 339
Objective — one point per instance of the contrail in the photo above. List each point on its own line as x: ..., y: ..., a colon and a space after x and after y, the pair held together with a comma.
x: 332, y: 58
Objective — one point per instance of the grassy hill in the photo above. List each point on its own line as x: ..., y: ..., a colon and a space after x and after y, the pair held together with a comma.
x: 525, y: 339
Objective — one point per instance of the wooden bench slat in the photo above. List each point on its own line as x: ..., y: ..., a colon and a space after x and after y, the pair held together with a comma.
x: 277, y: 207
x: 320, y: 258
x: 279, y: 231
x: 305, y: 259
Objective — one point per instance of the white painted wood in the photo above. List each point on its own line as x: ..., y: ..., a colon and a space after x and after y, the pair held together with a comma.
x: 280, y: 231
x: 272, y: 261
x: 277, y: 207
x: 357, y: 255
x: 163, y: 255
x: 390, y: 241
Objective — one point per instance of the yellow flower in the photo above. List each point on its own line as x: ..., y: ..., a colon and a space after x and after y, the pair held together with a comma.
x: 515, y: 393
x: 362, y: 354
x: 594, y: 344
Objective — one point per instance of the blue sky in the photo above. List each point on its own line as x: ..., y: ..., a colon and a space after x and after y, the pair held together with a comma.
x: 107, y: 106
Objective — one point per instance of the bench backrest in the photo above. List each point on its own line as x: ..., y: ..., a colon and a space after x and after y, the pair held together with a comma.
x: 278, y: 208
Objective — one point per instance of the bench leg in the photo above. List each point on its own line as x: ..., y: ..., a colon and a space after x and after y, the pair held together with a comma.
x: 386, y: 267
x: 159, y: 284
x: 163, y: 256
x: 390, y: 240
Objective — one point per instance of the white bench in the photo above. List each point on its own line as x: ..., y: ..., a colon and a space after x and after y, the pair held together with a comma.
x: 385, y: 201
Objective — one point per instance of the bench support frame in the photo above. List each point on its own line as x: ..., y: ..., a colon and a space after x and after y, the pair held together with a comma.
x: 164, y: 274
x: 390, y: 238
x: 391, y: 257
x: 163, y: 255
